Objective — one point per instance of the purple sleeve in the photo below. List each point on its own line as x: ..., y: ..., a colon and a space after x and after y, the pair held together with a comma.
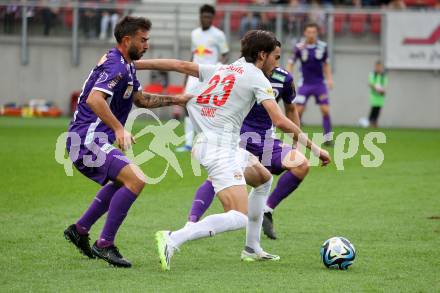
x: 136, y: 84
x: 112, y: 73
x: 289, y: 92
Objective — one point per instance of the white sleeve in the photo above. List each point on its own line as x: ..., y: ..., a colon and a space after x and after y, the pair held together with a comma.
x: 193, y: 43
x: 223, y: 44
x: 206, y: 71
x: 262, y: 89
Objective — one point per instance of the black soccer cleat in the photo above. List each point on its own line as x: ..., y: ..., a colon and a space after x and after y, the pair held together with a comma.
x: 268, y: 226
x: 80, y: 241
x: 111, y: 255
x: 329, y: 143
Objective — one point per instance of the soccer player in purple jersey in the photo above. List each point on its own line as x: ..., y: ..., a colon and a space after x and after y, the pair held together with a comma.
x: 272, y: 153
x: 103, y: 107
x: 313, y: 56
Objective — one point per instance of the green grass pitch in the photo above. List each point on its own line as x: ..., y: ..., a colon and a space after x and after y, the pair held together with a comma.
x: 390, y: 213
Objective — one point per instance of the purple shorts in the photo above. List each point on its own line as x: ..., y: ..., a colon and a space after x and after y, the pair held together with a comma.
x: 319, y: 91
x: 270, y: 153
x: 100, y: 162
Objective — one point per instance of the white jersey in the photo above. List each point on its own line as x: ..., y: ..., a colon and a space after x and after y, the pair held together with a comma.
x: 223, y: 101
x: 208, y: 46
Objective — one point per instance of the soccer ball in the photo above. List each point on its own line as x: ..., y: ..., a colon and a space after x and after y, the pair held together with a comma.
x: 338, y: 253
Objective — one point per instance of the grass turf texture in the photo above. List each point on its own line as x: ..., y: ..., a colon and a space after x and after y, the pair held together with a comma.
x: 384, y: 211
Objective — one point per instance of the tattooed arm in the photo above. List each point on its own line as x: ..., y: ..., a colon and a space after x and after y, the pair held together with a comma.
x: 148, y: 100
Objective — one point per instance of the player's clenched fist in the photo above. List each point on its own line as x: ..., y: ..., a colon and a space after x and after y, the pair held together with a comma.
x: 124, y: 139
x: 324, y: 156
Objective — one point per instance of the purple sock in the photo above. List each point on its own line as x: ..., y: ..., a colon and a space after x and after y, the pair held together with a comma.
x: 118, y: 209
x: 286, y: 185
x: 202, y: 200
x: 326, y: 124
x: 97, y: 208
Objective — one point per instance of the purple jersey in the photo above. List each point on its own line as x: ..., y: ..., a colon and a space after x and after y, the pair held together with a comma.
x: 115, y: 77
x: 312, y: 58
x: 258, y: 119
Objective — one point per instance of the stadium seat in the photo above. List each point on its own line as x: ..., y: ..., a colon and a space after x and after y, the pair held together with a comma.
x: 154, y: 88
x: 174, y: 89
x: 375, y: 23
x: 357, y: 22
x: 338, y: 22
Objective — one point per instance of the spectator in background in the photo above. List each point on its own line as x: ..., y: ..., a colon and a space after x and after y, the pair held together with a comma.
x: 377, y: 81
x: 316, y: 14
x: 49, y: 14
x: 108, y: 16
x: 9, y: 19
x: 397, y: 5
x: 89, y: 18
x: 250, y: 21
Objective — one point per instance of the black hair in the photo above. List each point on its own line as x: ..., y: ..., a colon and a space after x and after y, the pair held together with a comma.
x: 129, y: 25
x: 206, y: 8
x: 311, y: 24
x: 255, y: 41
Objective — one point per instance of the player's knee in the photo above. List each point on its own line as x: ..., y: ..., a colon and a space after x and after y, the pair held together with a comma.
x: 301, y: 170
x: 135, y: 184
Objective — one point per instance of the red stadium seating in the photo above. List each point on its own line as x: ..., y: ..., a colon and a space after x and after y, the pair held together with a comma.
x: 338, y: 22
x: 154, y: 88
x: 174, y: 89
x: 236, y: 19
x: 218, y: 19
x: 357, y: 22
x: 375, y: 23
x: 420, y: 3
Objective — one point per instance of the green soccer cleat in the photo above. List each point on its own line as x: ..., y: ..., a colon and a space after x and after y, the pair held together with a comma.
x: 165, y: 249
x: 249, y: 255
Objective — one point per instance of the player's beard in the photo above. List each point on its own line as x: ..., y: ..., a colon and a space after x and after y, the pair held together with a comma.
x: 134, y: 54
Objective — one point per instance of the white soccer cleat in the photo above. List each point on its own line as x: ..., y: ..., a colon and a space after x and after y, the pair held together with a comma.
x: 165, y: 249
x: 248, y: 254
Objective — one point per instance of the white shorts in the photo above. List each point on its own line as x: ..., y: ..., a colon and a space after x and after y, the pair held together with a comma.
x: 225, y: 165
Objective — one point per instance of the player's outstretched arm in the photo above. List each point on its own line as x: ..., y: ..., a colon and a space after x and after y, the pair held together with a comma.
x: 290, y: 128
x: 184, y: 67
x: 96, y: 101
x: 148, y: 100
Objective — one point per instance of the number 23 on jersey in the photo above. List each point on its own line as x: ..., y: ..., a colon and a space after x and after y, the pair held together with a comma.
x: 218, y: 100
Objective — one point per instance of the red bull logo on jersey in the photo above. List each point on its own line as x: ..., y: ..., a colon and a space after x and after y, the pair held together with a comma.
x: 202, y: 51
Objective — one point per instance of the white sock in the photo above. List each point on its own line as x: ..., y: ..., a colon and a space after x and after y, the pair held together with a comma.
x: 209, y: 226
x: 268, y: 209
x: 257, y: 201
x: 189, y: 132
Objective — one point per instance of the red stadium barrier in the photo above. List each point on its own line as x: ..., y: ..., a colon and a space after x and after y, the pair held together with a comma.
x: 154, y: 88
x: 174, y: 89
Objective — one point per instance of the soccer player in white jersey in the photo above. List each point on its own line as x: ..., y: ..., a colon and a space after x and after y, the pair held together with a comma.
x: 218, y: 111
x: 208, y: 46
